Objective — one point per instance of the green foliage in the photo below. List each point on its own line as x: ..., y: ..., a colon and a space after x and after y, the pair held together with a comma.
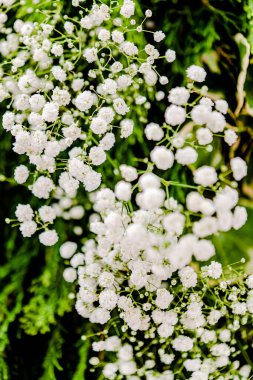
x: 12, y: 276
x: 83, y: 360
x: 248, y: 8
x: 54, y: 353
x: 49, y: 297
x: 4, y: 370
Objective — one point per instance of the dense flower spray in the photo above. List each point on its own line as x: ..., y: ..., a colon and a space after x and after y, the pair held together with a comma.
x: 79, y: 87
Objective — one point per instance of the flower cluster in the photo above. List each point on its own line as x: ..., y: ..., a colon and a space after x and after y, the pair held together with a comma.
x: 136, y: 279
x: 79, y: 87
x: 67, y: 110
x: 189, y: 328
x: 141, y: 271
x: 138, y: 273
x: 140, y: 228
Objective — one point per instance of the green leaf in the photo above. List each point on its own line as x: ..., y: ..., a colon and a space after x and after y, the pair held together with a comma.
x: 54, y: 353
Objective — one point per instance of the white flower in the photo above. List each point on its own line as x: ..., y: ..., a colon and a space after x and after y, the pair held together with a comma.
x: 120, y: 106
x: 117, y: 37
x: 174, y: 223
x: 200, y: 114
x: 69, y: 274
x: 230, y: 137
x: 69, y: 27
x: 85, y: 100
x: 68, y: 249
x: 150, y: 198
x: 8, y: 120
x: 214, y: 270
x: 193, y: 201
x: 162, y: 157
x: 149, y: 180
x: 165, y: 330
x: 98, y: 125
x: 221, y: 349
x: 57, y: 50
x: 182, y: 343
x: 49, y: 237
x: 214, y: 317
x: 47, y: 214
x: 42, y: 187
x: 90, y: 54
x: 109, y: 370
x: 205, y: 227
x: 108, y: 299
x: 245, y: 371
x: 221, y: 106
x: 177, y: 141
x: 24, y: 213
x: 163, y: 298
x: 127, y: 368
x: 108, y: 87
x: 199, y: 375
x: 153, y: 132
x: 205, y: 101
x: 77, y: 84
x: 192, y: 365
x: 59, y: 73
x: 205, y: 176
x: 249, y: 281
x: 188, y: 277
x: 239, y: 168
x: 50, y: 112
x: 179, y: 96
x: 21, y: 174
x: 28, y: 228
x: 107, y: 114
x: 204, y: 136
x: 97, y: 155
x: 104, y: 35
x: 62, y: 97
x: 240, y: 217
x: 106, y: 279
x: 107, y: 142
x: 163, y: 80
x: 151, y: 78
x: 76, y: 212
x: 203, y: 250
x: 100, y: 315
x: 92, y: 180
x: 127, y: 9
x: 175, y: 115
x: 37, y: 102
x: 196, y: 73
x: 239, y: 308
x: 216, y: 122
x: 186, y: 156
x: 123, y: 82
x: 126, y: 126
x: 77, y: 260
x: 128, y: 173
x: 123, y: 191
x: 225, y: 335
x: 129, y: 48
x: 170, y: 55
x: 159, y: 36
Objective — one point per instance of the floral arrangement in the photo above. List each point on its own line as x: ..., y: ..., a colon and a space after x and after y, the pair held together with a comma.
x: 146, y: 175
